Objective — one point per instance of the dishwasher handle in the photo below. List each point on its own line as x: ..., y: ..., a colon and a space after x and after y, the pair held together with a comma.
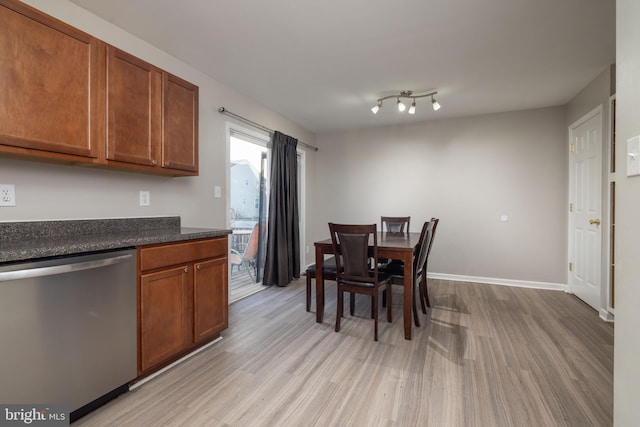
x: 60, y: 269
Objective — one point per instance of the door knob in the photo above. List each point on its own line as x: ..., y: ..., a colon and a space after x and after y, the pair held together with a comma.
x: 594, y: 221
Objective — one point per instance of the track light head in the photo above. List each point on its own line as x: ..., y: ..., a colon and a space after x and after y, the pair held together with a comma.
x: 401, y: 106
x: 436, y: 104
x: 412, y: 109
x: 376, y: 107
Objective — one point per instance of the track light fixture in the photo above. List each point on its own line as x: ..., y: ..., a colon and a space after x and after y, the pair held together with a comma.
x: 407, y: 94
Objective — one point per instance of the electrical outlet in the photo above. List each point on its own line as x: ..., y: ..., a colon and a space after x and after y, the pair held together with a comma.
x: 145, y: 198
x: 7, y: 195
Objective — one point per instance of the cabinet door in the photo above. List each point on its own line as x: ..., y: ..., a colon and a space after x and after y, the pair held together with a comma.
x: 210, y: 298
x: 49, y: 85
x: 180, y: 137
x: 134, y: 109
x: 165, y: 315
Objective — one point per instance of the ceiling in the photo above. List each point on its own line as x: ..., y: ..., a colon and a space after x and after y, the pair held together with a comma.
x: 323, y: 64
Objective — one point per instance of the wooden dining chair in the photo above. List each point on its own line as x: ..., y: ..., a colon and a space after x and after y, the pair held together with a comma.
x: 397, y: 271
x: 424, y: 294
x: 394, y: 224
x: 353, y: 249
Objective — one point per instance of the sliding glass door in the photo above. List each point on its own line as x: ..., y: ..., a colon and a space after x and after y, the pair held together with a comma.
x: 248, y: 178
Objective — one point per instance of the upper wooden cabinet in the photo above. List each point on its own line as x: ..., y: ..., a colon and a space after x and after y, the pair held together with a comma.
x: 180, y: 133
x: 152, y: 116
x: 67, y: 96
x: 49, y: 85
x: 134, y: 109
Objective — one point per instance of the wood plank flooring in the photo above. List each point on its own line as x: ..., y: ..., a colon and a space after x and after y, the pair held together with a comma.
x: 485, y: 356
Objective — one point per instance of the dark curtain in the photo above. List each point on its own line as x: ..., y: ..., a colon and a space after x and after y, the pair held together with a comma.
x: 282, y: 262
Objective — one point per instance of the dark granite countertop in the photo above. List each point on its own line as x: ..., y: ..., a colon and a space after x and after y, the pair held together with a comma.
x: 22, y: 241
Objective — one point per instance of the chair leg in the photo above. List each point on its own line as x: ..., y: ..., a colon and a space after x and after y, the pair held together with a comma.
x: 384, y: 298
x: 421, y: 289
x: 415, y: 306
x: 339, y: 310
x: 372, y: 308
x: 426, y: 292
x: 308, y: 292
x: 352, y: 303
x: 389, y: 305
x: 375, y: 317
x: 323, y: 296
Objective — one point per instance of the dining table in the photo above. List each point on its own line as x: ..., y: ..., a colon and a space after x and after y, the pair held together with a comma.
x: 399, y: 246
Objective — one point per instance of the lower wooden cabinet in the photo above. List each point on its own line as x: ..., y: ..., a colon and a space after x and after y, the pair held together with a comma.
x: 208, y: 275
x: 183, y: 299
x: 164, y: 315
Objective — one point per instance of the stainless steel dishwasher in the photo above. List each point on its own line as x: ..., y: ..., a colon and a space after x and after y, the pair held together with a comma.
x: 68, y: 329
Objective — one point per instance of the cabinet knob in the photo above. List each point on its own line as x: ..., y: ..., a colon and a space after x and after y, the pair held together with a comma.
x: 199, y: 267
x: 153, y: 162
x: 166, y: 163
x: 186, y: 269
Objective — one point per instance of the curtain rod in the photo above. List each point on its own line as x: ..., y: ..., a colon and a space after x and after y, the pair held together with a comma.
x: 223, y: 110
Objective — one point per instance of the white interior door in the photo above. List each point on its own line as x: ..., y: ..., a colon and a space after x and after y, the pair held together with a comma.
x: 585, y: 234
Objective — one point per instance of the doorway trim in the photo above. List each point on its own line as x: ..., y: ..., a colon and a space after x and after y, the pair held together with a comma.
x: 608, y: 311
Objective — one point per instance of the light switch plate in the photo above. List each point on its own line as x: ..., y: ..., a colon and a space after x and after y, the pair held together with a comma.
x: 145, y: 198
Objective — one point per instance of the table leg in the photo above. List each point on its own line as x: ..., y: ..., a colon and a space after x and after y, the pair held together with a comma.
x: 319, y: 285
x: 407, y: 305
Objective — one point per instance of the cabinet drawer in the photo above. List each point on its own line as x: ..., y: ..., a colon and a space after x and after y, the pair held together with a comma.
x: 180, y: 253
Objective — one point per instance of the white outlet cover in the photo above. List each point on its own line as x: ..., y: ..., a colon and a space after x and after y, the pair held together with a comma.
x: 7, y: 195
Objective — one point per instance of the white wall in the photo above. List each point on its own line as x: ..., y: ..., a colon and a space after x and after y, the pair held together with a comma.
x: 48, y: 191
x: 468, y: 172
x: 626, y: 381
x: 595, y: 93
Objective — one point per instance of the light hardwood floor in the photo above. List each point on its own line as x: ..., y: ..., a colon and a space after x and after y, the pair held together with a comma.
x: 485, y: 356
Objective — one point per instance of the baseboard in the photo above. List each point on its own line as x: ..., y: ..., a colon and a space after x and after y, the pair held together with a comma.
x: 606, y: 315
x: 166, y: 368
x: 502, y: 282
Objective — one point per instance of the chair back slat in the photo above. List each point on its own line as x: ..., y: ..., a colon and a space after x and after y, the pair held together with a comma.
x: 354, y: 252
x: 351, y: 246
x: 425, y: 240
x: 433, y: 234
x: 395, y: 224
